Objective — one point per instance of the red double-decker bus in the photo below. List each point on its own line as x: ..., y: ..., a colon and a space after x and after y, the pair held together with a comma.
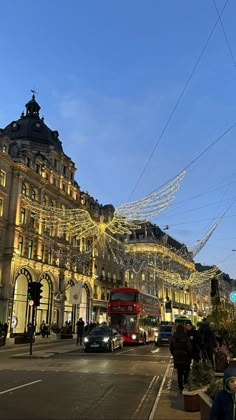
x: 133, y: 313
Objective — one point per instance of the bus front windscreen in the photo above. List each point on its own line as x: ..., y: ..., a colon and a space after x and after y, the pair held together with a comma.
x: 124, y: 323
x: 123, y: 297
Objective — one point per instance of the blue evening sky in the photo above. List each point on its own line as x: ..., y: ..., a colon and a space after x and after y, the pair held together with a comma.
x: 137, y: 90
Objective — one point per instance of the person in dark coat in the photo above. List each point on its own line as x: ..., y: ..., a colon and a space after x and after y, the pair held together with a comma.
x: 224, y: 404
x: 80, y: 331
x: 209, y: 343
x: 195, y: 339
x: 181, y: 350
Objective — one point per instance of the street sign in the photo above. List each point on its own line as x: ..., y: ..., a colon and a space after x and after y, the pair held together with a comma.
x: 232, y: 296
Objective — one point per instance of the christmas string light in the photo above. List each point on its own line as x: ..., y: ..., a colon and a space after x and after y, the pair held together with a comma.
x: 152, y: 204
x: 196, y: 248
x: 193, y: 279
x: 79, y: 223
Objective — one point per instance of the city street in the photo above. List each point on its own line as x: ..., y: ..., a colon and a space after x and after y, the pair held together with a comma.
x: 61, y: 381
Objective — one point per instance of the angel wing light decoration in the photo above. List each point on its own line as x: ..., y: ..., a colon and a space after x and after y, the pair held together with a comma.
x: 152, y: 204
x: 79, y: 222
x: 194, y: 279
x: 197, y: 247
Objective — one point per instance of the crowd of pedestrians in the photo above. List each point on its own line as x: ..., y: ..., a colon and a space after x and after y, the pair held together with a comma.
x: 189, y: 343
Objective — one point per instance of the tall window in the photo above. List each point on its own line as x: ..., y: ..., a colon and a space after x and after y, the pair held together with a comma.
x: 22, y: 215
x: 33, y: 194
x: 42, y: 252
x: 24, y: 189
x: 32, y: 220
x: 2, y: 178
x: 49, y: 256
x: 20, y: 245
x: 30, y: 248
x: 1, y: 206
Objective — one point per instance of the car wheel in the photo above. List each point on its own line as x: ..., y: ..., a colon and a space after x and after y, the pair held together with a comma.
x: 112, y: 346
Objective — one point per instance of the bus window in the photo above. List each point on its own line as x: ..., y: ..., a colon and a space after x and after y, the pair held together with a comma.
x: 123, y: 297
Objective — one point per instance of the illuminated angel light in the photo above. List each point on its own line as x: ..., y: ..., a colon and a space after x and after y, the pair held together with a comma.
x: 79, y: 222
x: 196, y: 248
x: 194, y: 279
x: 152, y: 204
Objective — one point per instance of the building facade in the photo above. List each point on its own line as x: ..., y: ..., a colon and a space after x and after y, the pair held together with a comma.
x: 33, y: 164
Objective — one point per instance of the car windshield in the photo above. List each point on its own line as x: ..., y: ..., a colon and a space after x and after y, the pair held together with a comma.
x: 101, y: 331
x: 166, y: 328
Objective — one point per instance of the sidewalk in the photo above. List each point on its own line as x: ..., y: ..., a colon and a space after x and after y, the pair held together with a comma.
x: 170, y: 405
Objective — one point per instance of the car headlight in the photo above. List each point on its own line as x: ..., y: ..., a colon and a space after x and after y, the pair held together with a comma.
x: 106, y: 339
x: 86, y: 340
x: 156, y: 334
x: 133, y: 336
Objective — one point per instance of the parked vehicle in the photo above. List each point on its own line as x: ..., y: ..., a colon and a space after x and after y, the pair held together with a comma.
x: 103, y: 338
x: 164, y: 334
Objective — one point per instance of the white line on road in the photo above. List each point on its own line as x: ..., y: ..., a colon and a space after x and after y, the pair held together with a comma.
x: 159, y: 393
x: 20, y: 386
x: 155, y: 351
x: 125, y: 351
x: 135, y: 416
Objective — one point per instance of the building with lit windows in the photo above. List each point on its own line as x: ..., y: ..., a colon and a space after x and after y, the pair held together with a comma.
x: 33, y: 164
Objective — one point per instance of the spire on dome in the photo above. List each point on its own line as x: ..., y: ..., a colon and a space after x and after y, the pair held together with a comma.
x: 32, y: 107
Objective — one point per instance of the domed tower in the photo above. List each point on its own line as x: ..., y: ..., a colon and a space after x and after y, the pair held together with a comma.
x: 30, y: 130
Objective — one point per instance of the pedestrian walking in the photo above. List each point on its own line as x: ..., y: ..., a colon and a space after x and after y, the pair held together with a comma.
x: 209, y: 343
x: 4, y: 331
x: 43, y: 329
x: 80, y: 331
x: 195, y: 340
x: 224, y: 403
x: 181, y: 350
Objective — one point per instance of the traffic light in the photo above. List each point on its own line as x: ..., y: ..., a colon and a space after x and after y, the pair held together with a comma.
x: 38, y: 293
x: 35, y: 292
x: 31, y: 290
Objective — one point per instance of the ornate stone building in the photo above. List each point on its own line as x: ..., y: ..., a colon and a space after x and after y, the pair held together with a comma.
x: 33, y: 164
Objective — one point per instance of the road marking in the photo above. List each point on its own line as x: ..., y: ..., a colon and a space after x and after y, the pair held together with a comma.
x: 154, y: 379
x: 155, y: 351
x: 151, y: 417
x: 125, y: 351
x: 20, y: 386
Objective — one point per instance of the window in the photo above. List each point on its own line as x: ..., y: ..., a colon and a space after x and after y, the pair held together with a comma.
x: 22, y: 215
x: 32, y: 220
x: 49, y: 256
x: 33, y: 194
x: 42, y: 252
x: 2, y: 178
x: 24, y: 189
x: 1, y: 206
x: 20, y: 245
x: 45, y: 200
x: 30, y: 248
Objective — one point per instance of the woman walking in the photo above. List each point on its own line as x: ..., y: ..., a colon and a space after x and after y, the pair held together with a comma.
x: 181, y: 350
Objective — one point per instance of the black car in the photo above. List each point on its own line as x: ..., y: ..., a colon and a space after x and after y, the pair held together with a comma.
x: 103, y: 338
